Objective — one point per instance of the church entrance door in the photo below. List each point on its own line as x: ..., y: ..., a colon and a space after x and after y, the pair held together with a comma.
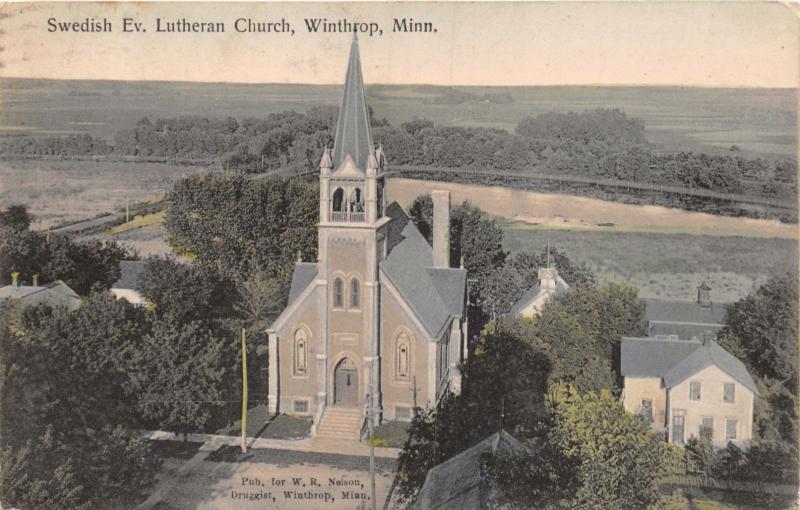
x: 345, y: 383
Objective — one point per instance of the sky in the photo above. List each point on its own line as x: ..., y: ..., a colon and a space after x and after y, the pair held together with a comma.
x: 738, y: 44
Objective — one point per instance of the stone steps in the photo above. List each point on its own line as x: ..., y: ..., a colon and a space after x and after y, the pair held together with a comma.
x: 341, y: 423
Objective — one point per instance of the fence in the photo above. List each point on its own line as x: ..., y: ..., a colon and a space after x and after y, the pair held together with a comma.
x: 703, y: 482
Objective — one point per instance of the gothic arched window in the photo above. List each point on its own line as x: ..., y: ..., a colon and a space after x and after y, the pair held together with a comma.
x: 356, y: 201
x: 403, y: 346
x: 338, y: 200
x: 355, y: 293
x: 300, y: 352
x: 338, y: 293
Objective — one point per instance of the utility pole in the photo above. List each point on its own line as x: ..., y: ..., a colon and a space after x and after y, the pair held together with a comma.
x: 371, y: 418
x: 244, y: 393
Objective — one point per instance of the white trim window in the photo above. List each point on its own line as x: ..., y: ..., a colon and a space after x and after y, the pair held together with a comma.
x: 300, y: 353
x: 729, y: 393
x: 694, y: 390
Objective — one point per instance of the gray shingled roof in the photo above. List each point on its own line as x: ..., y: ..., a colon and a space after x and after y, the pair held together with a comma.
x: 684, y: 311
x: 129, y: 270
x: 676, y: 360
x: 304, y: 274
x: 56, y: 293
x: 457, y: 482
x: 434, y: 294
x: 353, y: 134
x: 684, y: 330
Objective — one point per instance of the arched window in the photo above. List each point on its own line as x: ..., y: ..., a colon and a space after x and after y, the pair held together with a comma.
x: 338, y: 200
x: 355, y: 293
x: 356, y: 200
x: 338, y: 293
x: 300, y: 352
x: 402, y: 356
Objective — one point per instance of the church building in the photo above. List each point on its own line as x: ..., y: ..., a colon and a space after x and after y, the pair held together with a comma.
x: 380, y: 315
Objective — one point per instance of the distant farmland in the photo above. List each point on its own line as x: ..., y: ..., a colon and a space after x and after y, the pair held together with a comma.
x: 758, y: 121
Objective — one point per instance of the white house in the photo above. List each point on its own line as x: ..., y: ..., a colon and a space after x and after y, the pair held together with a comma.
x: 127, y: 286
x: 685, y: 386
x: 549, y: 285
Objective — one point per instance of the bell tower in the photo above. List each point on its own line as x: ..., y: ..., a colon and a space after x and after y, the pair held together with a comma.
x: 351, y: 245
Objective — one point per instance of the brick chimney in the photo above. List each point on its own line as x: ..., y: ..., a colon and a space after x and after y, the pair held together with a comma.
x: 441, y: 228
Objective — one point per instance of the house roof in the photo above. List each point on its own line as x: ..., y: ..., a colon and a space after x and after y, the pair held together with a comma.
x: 55, y: 293
x: 434, y: 294
x: 353, y: 134
x: 304, y: 274
x: 674, y: 361
x: 130, y: 271
x: 561, y: 288
x: 684, y: 311
x: 457, y: 482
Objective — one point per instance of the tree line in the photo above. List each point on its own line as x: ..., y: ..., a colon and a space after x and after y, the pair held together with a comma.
x: 603, y: 143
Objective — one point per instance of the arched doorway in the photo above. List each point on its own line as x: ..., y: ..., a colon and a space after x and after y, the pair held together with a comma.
x: 345, y: 383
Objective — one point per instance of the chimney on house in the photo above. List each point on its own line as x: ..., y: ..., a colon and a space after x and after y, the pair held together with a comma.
x: 441, y: 228
x: 704, y: 295
x: 15, y: 279
x: 35, y: 280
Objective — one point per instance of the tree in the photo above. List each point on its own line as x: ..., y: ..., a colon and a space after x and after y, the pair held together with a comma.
x: 63, y: 403
x: 16, y: 217
x: 181, y: 293
x: 763, y: 326
x: 620, y: 459
x: 236, y: 225
x: 179, y: 376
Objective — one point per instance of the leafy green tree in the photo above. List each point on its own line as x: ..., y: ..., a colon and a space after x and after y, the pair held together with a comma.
x: 236, y: 225
x: 179, y: 376
x: 620, y: 459
x: 16, y: 217
x: 181, y: 293
x: 79, y: 265
x: 63, y: 401
x: 763, y: 327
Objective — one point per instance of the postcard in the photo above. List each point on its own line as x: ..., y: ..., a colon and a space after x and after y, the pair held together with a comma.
x: 301, y: 255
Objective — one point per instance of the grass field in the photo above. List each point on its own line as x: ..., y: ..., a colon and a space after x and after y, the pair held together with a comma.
x: 678, y: 118
x: 60, y: 191
x: 665, y: 266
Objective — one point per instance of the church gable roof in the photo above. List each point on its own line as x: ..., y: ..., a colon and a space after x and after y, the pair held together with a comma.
x: 353, y: 134
x: 434, y: 294
x: 530, y: 295
x: 303, y: 276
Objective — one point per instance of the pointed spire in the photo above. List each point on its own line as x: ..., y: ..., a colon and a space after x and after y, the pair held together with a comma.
x: 353, y: 133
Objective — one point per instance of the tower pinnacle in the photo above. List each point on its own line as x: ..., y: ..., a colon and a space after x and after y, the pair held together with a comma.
x: 353, y: 133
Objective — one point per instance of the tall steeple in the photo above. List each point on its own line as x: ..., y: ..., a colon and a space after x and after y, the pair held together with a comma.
x: 353, y: 133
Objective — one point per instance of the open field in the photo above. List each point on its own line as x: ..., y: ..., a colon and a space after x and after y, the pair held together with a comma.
x: 665, y: 266
x: 759, y: 121
x: 61, y: 191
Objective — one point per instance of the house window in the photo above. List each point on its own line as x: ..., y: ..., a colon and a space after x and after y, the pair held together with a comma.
x: 355, y: 293
x: 300, y: 352
x: 729, y: 393
x: 694, y: 390
x: 672, y: 337
x: 730, y: 429
x: 402, y: 356
x: 402, y: 413
x: 707, y: 428
x: 647, y: 410
x: 677, y: 428
x: 301, y: 406
x: 338, y: 293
